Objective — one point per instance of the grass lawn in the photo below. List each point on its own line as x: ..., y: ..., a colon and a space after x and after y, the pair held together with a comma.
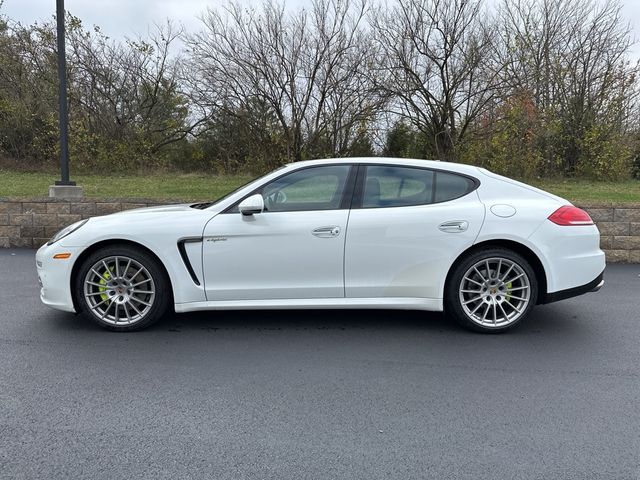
x: 577, y: 191
x: 165, y: 186
x: 209, y: 187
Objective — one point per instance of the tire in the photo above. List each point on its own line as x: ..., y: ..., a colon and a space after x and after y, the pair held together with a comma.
x: 108, y: 288
x: 482, y: 301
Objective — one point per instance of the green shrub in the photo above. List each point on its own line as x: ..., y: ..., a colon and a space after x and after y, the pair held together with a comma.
x: 603, y: 155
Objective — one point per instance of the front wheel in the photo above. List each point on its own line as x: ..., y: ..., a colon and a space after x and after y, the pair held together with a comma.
x: 491, y: 291
x: 122, y: 288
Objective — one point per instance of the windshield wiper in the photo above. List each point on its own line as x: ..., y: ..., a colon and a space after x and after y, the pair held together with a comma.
x: 201, y: 206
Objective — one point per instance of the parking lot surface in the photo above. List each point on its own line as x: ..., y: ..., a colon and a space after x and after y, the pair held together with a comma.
x: 320, y: 394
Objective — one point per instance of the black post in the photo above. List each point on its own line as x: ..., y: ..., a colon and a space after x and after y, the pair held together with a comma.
x: 63, y: 116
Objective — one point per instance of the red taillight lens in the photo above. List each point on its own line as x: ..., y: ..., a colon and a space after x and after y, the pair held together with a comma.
x: 569, y: 215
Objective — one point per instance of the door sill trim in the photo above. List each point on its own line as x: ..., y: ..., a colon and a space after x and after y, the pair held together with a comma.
x: 394, y: 303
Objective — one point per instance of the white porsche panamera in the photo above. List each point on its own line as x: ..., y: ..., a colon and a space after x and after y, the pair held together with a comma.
x: 341, y: 233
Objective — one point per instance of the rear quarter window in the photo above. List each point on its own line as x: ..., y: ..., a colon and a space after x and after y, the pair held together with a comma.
x: 450, y: 186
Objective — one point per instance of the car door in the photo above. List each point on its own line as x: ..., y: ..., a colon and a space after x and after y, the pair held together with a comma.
x: 294, y: 249
x: 407, y: 226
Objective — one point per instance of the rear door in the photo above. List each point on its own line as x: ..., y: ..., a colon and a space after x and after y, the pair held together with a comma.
x: 406, y: 227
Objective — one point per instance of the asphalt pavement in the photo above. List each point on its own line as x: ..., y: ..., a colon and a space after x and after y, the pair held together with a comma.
x: 321, y: 394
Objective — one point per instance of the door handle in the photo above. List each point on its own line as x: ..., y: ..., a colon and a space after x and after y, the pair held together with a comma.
x: 326, y: 232
x: 454, y: 226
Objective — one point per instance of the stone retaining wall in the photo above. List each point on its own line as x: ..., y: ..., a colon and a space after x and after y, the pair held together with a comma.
x: 31, y: 222
x: 619, y: 230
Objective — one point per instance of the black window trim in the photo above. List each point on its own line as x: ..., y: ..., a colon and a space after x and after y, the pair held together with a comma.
x: 347, y: 194
x: 362, y: 172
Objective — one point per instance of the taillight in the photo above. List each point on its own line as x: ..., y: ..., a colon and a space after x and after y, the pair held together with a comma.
x: 569, y: 215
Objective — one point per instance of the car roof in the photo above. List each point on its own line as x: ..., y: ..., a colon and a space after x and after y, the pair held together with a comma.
x: 410, y: 162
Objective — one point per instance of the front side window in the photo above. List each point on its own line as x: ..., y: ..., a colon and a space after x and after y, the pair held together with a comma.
x: 315, y: 188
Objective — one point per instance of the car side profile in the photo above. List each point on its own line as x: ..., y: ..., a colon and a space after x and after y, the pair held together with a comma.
x: 337, y: 233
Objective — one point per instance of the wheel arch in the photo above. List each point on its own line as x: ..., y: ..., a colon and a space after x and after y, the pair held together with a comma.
x: 108, y: 243
x: 520, y: 248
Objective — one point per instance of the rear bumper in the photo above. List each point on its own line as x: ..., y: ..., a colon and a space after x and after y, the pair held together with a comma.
x: 593, y: 286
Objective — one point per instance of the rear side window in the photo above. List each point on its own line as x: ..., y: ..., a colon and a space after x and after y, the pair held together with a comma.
x: 450, y: 186
x: 386, y: 186
x: 391, y: 186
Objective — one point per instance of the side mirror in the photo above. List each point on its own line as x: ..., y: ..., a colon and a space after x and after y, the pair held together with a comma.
x: 251, y: 205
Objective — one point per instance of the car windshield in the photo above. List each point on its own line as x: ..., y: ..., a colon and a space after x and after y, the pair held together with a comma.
x: 204, y: 205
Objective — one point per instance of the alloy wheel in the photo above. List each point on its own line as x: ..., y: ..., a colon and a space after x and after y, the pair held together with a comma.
x: 495, y: 292
x: 119, y: 290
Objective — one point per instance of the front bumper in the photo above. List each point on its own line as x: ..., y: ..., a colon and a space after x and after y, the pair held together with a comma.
x: 593, y: 286
x: 54, y: 276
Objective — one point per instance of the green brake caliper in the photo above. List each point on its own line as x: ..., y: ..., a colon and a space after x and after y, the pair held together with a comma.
x: 508, y: 295
x: 103, y: 281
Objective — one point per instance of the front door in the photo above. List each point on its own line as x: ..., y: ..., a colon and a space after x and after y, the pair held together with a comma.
x: 294, y: 249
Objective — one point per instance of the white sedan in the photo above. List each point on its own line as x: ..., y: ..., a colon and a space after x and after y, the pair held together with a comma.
x: 343, y: 233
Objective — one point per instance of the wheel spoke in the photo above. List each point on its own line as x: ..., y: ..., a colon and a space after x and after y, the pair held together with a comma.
x: 477, y: 307
x: 506, y: 317
x: 472, y: 281
x: 511, y: 297
x: 126, y: 269
x: 104, y: 314
x: 526, y: 287
x: 471, y: 300
x: 140, y: 301
x: 100, y: 275
x: 145, y: 292
x: 478, y: 272
x: 514, y: 307
x: 106, y: 268
x: 486, y: 262
x: 495, y: 314
x: 117, y: 269
x: 515, y: 278
x: 471, y: 291
x: 135, y: 308
x: 98, y: 304
x: 507, y: 273
x: 484, y: 315
x: 93, y: 294
x: 137, y: 273
x: 139, y: 283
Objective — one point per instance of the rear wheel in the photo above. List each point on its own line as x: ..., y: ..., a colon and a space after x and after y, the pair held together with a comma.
x: 491, y: 291
x: 122, y: 288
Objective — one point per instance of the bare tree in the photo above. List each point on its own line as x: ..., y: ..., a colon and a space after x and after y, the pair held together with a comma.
x: 452, y: 79
x: 129, y: 88
x: 306, y: 65
x: 571, y: 57
x: 437, y: 62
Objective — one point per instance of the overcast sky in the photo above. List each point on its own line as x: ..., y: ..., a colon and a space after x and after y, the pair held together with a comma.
x: 119, y: 18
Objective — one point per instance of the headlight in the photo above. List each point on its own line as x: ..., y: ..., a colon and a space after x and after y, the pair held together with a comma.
x: 66, y: 231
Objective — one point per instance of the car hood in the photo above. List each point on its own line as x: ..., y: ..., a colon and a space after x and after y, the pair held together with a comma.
x: 184, y: 207
x: 152, y: 227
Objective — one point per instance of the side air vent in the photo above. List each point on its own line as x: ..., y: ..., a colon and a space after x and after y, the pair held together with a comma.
x: 185, y: 257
